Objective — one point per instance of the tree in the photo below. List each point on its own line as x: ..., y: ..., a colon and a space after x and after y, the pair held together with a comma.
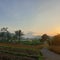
x: 44, y: 37
x: 8, y: 35
x: 5, y: 34
x: 56, y: 40
x: 4, y: 29
x: 2, y: 35
x: 18, y: 34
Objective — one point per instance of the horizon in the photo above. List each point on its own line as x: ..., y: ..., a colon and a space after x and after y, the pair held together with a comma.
x: 36, y: 16
x: 30, y: 32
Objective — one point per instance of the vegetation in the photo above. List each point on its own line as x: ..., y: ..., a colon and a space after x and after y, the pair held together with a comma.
x: 44, y: 37
x: 21, y: 50
x: 18, y: 34
x: 6, y: 36
x: 13, y: 44
x: 56, y: 40
x: 55, y: 44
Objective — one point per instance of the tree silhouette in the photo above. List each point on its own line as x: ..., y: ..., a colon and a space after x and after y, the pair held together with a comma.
x: 18, y: 34
x: 4, y: 29
x: 5, y: 34
x: 56, y: 40
x: 44, y: 37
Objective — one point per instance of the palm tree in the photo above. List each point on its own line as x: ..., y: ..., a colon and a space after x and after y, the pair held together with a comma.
x: 18, y: 34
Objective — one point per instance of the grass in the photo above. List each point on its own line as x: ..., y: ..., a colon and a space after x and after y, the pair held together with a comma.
x: 55, y: 49
x: 22, y: 50
x: 32, y: 42
x: 36, y: 47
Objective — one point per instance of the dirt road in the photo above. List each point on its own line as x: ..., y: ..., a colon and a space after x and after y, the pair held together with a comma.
x: 49, y: 55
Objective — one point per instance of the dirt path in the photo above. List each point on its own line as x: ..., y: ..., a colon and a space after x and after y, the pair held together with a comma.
x: 50, y: 55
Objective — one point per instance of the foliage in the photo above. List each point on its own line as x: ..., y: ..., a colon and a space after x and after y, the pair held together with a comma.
x: 56, y: 40
x: 31, y: 42
x: 44, y: 37
x: 6, y: 36
x: 18, y: 34
x: 28, y: 52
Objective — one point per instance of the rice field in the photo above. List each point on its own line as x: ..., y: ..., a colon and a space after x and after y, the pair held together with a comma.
x: 28, y: 52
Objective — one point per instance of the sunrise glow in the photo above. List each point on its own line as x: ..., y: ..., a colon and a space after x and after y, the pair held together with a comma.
x: 38, y: 16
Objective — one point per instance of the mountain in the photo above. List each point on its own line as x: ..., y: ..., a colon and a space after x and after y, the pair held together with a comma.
x: 31, y: 35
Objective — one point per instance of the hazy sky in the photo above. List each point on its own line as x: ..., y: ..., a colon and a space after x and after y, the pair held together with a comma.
x: 38, y: 16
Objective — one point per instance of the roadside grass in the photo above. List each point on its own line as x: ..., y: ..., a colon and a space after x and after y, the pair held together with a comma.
x: 55, y: 49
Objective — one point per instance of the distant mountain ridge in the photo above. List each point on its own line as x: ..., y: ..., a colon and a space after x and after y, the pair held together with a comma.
x: 31, y: 35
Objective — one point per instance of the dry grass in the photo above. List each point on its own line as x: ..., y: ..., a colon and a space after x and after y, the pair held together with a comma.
x: 35, y: 51
x: 21, y: 45
x: 55, y: 49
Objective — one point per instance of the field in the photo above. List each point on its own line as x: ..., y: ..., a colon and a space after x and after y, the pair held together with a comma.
x: 21, y: 51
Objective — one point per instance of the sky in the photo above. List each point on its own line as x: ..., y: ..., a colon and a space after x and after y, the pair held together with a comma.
x: 36, y: 16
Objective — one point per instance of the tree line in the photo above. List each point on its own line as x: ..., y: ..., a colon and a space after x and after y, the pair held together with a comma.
x: 6, y: 36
